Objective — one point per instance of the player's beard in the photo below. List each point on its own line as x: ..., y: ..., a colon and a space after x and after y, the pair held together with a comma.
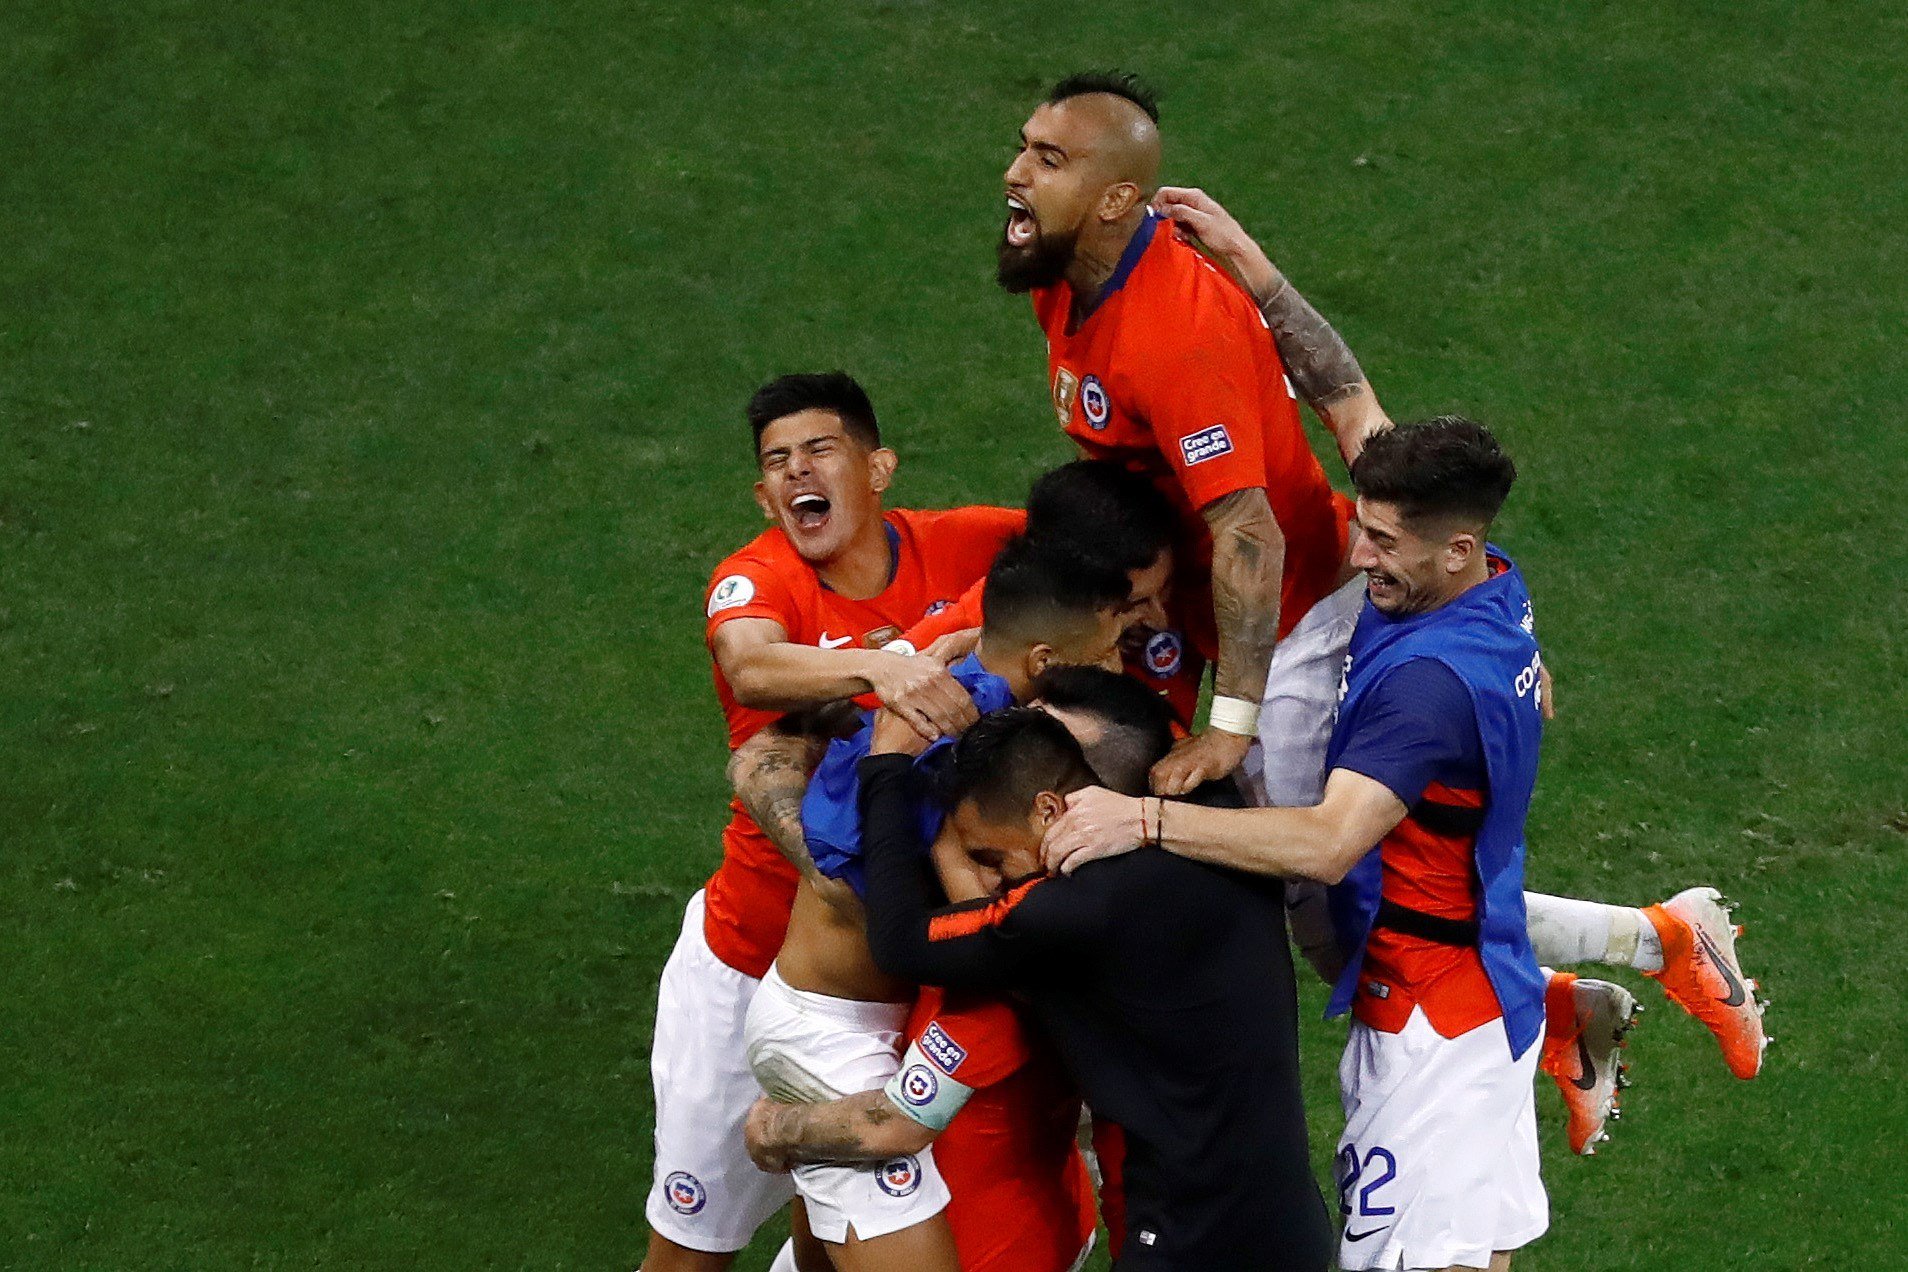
x: 1041, y: 263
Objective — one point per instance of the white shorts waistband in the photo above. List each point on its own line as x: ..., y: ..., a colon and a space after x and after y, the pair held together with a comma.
x: 846, y: 1014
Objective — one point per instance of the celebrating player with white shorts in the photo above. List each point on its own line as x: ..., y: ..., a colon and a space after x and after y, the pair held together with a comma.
x: 797, y: 617
x: 827, y: 1021
x: 1433, y: 760
x: 1159, y: 361
x: 1687, y: 944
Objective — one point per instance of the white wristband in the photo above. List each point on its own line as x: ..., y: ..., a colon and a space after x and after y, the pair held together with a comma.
x: 1235, y: 715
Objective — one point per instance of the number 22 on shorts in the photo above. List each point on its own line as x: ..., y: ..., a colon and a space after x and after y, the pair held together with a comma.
x: 1361, y: 1178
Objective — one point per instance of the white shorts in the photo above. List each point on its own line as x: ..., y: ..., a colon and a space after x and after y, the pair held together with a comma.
x: 705, y: 1193
x: 1438, y: 1162
x: 806, y: 1048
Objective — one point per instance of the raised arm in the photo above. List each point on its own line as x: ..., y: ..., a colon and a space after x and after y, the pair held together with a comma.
x: 1323, y: 370
x: 1248, y: 561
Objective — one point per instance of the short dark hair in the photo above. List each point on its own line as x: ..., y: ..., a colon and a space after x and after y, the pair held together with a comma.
x: 1137, y: 723
x: 1119, y: 83
x: 834, y: 391
x: 1036, y: 594
x: 1101, y: 509
x: 1007, y: 757
x: 1446, y: 467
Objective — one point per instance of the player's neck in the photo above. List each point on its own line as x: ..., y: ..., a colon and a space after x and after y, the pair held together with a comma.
x: 1097, y: 257
x: 862, y: 570
x: 1478, y: 571
x: 1009, y: 668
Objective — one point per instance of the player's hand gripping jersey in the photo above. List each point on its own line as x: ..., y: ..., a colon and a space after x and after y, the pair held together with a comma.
x: 831, y: 812
x: 1021, y: 1197
x: 1174, y: 374
x: 937, y: 557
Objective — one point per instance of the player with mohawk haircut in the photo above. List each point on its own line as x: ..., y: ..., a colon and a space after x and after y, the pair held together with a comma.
x: 1160, y: 361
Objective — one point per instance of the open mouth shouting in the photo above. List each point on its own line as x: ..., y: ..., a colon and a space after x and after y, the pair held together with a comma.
x: 1021, y: 228
x: 809, y: 511
x: 1029, y: 256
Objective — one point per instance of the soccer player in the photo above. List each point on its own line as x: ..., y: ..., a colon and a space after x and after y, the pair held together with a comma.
x: 826, y: 1021
x: 1100, y: 511
x: 1020, y: 1198
x: 1159, y: 361
x: 1421, y: 833
x: 978, y: 1081
x: 1165, y: 985
x: 1686, y: 944
x: 797, y: 617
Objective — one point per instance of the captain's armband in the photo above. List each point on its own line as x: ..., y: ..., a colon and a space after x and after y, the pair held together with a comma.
x: 927, y: 1095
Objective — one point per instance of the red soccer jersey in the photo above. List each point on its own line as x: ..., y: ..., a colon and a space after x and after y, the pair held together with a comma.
x: 1021, y: 1199
x: 1164, y: 664
x: 1429, y: 864
x: 937, y: 556
x: 1174, y: 375
x: 965, y: 612
x: 1428, y: 868
x: 1169, y: 664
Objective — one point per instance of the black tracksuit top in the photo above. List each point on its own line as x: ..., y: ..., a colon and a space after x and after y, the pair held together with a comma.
x: 1166, y: 985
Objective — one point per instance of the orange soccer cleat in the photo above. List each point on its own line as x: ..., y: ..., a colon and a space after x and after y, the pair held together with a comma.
x: 1701, y: 975
x: 1585, y: 1023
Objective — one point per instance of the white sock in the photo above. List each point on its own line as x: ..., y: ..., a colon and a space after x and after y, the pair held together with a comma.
x: 1565, y: 931
x: 785, y: 1258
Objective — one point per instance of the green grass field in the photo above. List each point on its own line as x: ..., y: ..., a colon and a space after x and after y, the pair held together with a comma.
x: 370, y: 388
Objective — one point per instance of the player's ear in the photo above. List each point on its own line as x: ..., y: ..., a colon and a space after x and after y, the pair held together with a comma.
x: 1039, y: 658
x: 1459, y: 550
x: 1119, y: 199
x: 762, y: 501
x: 1048, y: 808
x: 881, y: 462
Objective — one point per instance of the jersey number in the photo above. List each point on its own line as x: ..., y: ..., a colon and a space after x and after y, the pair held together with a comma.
x: 1351, y: 1170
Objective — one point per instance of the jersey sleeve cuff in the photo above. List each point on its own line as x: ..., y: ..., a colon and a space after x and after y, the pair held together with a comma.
x: 745, y: 611
x: 1397, y: 783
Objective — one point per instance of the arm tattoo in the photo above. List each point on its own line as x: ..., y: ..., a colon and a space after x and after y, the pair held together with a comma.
x: 770, y: 775
x: 1322, y: 366
x: 838, y: 1131
x: 1248, y: 565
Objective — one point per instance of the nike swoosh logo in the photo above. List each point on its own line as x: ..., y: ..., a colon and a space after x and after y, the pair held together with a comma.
x: 1360, y: 1236
x: 1587, y: 1080
x: 835, y: 643
x: 1736, y: 996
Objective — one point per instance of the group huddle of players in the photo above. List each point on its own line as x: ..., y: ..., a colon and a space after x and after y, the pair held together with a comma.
x: 983, y: 872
